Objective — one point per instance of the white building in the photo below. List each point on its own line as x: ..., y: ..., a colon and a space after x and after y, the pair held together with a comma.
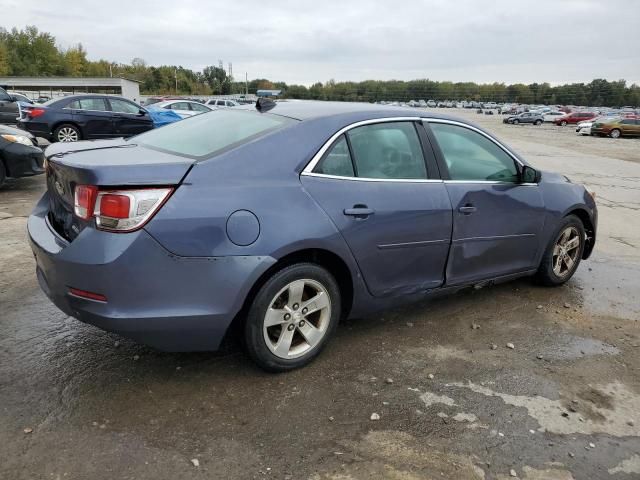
x: 58, y: 86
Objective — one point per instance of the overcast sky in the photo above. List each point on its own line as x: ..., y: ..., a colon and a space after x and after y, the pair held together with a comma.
x: 302, y: 41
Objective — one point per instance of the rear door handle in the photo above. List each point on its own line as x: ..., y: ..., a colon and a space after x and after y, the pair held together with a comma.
x: 359, y: 211
x: 467, y: 209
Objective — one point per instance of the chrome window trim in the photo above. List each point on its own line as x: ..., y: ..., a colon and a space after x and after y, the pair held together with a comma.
x: 308, y: 169
x: 366, y: 179
x: 320, y: 153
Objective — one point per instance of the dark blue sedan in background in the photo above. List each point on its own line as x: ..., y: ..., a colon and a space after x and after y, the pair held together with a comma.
x: 85, y: 117
x: 286, y: 218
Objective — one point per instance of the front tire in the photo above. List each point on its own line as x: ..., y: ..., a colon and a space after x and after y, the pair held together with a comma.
x: 538, y: 122
x: 564, y: 252
x: 615, y: 133
x: 292, y: 317
x: 67, y: 133
x: 516, y: 121
x: 563, y: 123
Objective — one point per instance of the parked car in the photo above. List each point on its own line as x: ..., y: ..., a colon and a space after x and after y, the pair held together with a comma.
x: 221, y: 102
x: 584, y: 128
x: 525, y: 117
x: 8, y: 107
x: 616, y: 128
x: 573, y: 118
x: 21, y: 97
x: 431, y: 103
x: 288, y: 219
x: 551, y: 116
x: 20, y: 155
x: 153, y: 100
x: 184, y: 108
x: 85, y: 117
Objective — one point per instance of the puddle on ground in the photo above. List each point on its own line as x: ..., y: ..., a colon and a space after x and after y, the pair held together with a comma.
x: 569, y: 347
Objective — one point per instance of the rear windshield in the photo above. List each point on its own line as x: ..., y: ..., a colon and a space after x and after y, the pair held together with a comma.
x: 209, y: 133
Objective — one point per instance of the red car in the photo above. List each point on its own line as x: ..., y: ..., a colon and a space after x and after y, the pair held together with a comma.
x: 575, y: 117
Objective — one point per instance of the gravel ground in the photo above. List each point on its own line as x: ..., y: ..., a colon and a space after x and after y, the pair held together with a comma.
x: 453, y: 401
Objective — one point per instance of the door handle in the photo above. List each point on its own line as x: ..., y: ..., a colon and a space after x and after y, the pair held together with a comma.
x: 359, y: 211
x: 468, y: 209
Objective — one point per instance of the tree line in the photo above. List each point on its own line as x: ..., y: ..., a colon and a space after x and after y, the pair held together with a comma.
x: 29, y: 52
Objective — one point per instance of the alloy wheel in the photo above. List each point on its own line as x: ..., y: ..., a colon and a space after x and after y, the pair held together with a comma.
x: 566, y: 251
x: 297, y: 319
x: 67, y: 134
x: 615, y: 133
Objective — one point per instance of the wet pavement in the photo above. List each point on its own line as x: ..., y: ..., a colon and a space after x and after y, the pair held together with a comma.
x: 454, y: 401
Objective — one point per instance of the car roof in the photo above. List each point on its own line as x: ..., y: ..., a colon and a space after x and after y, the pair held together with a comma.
x: 315, y: 109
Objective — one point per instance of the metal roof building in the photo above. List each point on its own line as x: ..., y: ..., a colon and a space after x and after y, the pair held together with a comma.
x: 55, y: 86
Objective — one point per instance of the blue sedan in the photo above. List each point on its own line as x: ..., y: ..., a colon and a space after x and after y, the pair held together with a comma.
x: 285, y: 218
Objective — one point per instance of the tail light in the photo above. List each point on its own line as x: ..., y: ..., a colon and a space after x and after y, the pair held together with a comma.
x: 119, y: 210
x: 35, y: 112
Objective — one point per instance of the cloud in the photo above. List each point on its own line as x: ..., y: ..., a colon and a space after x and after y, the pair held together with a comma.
x: 304, y: 42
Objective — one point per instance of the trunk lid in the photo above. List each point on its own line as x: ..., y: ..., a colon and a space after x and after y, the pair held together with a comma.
x: 105, y: 163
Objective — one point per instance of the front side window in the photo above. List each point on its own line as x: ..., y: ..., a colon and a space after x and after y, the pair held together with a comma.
x: 387, y: 151
x: 178, y: 106
x: 120, y: 106
x: 337, y: 160
x: 473, y: 157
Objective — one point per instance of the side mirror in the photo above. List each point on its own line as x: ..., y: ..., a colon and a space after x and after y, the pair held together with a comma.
x: 13, y: 98
x: 529, y: 175
x: 142, y: 112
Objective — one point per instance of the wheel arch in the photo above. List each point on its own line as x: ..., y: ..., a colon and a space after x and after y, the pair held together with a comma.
x: 585, y: 218
x: 67, y: 122
x: 335, y: 264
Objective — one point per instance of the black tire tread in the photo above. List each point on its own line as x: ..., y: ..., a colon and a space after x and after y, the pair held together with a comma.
x: 545, y: 274
x: 254, y: 341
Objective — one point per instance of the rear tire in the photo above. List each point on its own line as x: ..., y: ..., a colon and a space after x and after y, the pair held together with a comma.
x: 292, y: 317
x: 563, y: 123
x: 67, y: 133
x: 3, y: 174
x: 615, y: 133
x: 563, y: 253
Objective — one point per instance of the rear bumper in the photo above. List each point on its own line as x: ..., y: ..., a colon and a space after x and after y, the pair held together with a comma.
x: 154, y: 297
x: 37, y: 129
x: 22, y: 160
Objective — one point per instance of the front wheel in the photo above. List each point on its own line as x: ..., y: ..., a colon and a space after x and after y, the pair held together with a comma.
x: 564, y: 252
x: 516, y: 121
x: 538, y: 122
x: 292, y: 317
x: 615, y: 133
x: 563, y: 123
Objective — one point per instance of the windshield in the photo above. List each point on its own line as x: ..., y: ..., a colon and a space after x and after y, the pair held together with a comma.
x: 209, y: 133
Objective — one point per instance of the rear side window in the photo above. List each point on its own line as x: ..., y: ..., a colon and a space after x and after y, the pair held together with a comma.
x: 388, y: 151
x: 89, y: 104
x: 204, y: 135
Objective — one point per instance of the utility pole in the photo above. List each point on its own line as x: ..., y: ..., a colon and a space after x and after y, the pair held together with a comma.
x: 110, y: 71
x: 176, y: 76
x: 246, y: 84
